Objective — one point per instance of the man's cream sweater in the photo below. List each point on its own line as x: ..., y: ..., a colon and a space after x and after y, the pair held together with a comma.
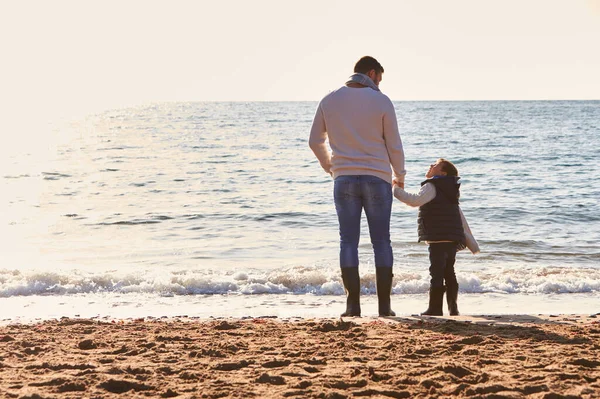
x: 361, y: 126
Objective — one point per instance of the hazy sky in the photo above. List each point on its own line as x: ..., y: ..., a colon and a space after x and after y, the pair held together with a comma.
x: 67, y: 57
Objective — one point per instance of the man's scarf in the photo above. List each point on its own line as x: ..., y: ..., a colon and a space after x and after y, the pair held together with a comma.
x: 364, y: 80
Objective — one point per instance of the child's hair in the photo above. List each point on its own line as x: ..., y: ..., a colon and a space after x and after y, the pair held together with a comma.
x: 448, y: 167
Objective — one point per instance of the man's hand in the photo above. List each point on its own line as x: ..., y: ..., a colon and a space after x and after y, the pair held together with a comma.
x: 327, y: 168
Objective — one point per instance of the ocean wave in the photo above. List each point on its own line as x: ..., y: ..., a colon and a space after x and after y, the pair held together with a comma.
x: 263, y: 217
x: 147, y: 219
x: 132, y: 222
x: 541, y: 246
x: 298, y: 280
x: 54, y: 175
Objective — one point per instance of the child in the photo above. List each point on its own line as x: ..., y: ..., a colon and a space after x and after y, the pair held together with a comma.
x: 443, y: 226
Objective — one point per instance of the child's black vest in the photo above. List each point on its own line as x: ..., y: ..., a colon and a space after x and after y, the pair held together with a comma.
x: 439, y: 219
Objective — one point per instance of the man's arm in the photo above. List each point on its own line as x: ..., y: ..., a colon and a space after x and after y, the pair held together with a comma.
x: 393, y: 143
x: 425, y: 194
x: 316, y: 141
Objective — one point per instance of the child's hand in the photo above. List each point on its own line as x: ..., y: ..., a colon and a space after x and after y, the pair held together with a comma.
x: 397, y: 183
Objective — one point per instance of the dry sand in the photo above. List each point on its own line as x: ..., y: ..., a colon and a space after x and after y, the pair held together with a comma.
x: 410, y: 357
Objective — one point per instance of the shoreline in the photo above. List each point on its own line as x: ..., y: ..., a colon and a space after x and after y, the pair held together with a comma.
x: 495, y: 356
x: 103, y: 306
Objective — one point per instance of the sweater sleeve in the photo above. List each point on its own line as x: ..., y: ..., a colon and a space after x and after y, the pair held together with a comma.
x: 393, y: 142
x: 472, y: 243
x: 425, y: 194
x: 316, y: 141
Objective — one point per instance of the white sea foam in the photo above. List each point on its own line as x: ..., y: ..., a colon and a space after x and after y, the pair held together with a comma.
x: 287, y: 281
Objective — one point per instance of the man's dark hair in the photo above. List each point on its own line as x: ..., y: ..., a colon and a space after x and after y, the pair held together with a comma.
x: 448, y: 167
x: 366, y: 63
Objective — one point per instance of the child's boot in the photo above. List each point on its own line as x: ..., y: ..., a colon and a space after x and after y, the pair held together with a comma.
x: 436, y: 300
x: 451, y: 298
x: 384, y: 290
x: 351, y: 281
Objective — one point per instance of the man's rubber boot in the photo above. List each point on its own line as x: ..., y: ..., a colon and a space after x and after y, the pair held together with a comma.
x: 351, y: 281
x: 451, y: 298
x: 384, y: 290
x: 436, y: 301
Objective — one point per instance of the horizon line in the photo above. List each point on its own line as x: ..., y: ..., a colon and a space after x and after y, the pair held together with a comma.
x: 313, y: 100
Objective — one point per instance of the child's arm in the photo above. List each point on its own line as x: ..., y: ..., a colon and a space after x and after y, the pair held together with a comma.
x: 425, y: 194
x: 471, y: 241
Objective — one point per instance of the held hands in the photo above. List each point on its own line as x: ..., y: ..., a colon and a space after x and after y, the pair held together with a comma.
x: 397, y: 183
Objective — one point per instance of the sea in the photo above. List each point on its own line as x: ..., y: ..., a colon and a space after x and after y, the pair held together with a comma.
x: 220, y: 209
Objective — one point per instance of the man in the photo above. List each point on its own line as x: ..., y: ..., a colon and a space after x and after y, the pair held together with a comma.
x: 360, y: 123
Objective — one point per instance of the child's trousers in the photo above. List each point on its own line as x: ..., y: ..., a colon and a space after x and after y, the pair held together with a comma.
x: 442, y: 256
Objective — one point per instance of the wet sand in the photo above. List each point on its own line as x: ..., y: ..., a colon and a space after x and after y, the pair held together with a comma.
x: 518, y: 356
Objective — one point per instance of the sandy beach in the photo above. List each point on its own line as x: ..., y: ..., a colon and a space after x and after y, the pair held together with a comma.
x: 522, y: 356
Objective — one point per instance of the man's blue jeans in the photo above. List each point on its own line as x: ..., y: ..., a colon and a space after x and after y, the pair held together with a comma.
x: 351, y: 195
